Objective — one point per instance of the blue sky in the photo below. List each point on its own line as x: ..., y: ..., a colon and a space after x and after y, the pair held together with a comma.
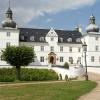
x: 69, y: 19
x: 59, y: 14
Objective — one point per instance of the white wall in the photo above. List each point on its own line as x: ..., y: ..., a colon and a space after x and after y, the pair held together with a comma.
x: 91, y: 42
x: 13, y: 39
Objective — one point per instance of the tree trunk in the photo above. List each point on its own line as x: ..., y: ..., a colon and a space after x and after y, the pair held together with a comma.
x: 18, y: 72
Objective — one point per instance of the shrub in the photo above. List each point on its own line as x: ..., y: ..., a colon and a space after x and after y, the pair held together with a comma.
x: 66, y: 65
x: 9, y: 75
x: 38, y: 75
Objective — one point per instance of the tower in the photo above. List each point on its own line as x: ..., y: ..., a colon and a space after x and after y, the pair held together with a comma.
x: 92, y: 27
x: 8, y: 22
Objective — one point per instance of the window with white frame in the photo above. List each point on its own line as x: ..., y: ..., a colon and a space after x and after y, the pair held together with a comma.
x: 96, y: 38
x: 61, y: 59
x: 79, y: 60
x: 61, y: 49
x: 99, y: 59
x: 42, y: 59
x: 69, y: 39
x: 70, y: 49
x: 7, y: 44
x: 32, y: 38
x: 96, y: 48
x: 79, y: 49
x: 52, y: 48
x: 71, y: 60
x: 42, y: 48
x: 33, y: 47
x: 52, y: 38
x: 92, y: 58
x: 61, y: 39
x: 22, y: 37
x: 8, y: 34
x: 78, y: 40
x: 1, y: 58
x: 42, y: 39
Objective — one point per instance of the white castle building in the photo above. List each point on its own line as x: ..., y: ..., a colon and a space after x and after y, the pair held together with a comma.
x: 50, y: 45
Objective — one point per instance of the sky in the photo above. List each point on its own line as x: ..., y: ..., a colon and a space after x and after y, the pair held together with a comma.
x: 57, y: 14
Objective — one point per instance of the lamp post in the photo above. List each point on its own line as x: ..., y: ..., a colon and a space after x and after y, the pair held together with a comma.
x: 84, y: 46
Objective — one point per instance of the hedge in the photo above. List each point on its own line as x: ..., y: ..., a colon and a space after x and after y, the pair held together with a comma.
x: 9, y: 75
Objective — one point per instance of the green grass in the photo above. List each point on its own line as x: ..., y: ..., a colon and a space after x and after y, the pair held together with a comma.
x: 51, y: 91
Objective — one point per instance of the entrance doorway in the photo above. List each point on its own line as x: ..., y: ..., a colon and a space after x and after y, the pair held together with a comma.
x: 52, y: 60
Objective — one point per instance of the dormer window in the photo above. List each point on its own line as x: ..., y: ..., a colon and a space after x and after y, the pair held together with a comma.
x: 61, y: 39
x: 32, y: 38
x: 42, y: 39
x: 22, y: 37
x: 78, y: 40
x: 69, y: 39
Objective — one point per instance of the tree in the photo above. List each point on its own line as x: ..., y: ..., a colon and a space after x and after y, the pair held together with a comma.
x: 17, y: 57
x: 66, y: 65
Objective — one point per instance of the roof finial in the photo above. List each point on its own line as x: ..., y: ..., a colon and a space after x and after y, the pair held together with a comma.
x: 9, y: 3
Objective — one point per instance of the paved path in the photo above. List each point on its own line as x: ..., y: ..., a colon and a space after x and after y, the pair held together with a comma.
x: 17, y: 84
x: 95, y: 94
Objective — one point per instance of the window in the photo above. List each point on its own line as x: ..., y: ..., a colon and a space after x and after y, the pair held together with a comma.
x: 71, y: 60
x: 61, y: 59
x: 42, y: 38
x: 22, y: 37
x: 33, y: 47
x: 96, y: 48
x: 99, y: 59
x: 41, y: 59
x: 78, y: 40
x: 61, y: 49
x: 79, y: 60
x: 7, y: 44
x: 79, y: 49
x: 61, y: 39
x: 32, y: 38
x: 96, y: 38
x: 1, y: 57
x: 69, y: 39
x: 52, y: 38
x: 92, y: 58
x: 8, y: 34
x: 70, y: 49
x: 52, y: 48
x: 42, y: 48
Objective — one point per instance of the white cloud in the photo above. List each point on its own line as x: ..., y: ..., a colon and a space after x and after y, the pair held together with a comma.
x: 26, y: 10
x: 49, y: 20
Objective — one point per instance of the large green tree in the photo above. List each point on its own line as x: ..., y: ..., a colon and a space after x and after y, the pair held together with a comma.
x: 17, y: 57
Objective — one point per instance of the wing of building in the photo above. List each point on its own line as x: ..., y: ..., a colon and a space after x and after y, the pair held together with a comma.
x: 52, y: 46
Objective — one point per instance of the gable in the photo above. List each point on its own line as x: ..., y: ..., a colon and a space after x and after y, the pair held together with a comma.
x: 52, y: 33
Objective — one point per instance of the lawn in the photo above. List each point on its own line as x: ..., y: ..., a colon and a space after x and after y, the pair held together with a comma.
x: 51, y: 91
